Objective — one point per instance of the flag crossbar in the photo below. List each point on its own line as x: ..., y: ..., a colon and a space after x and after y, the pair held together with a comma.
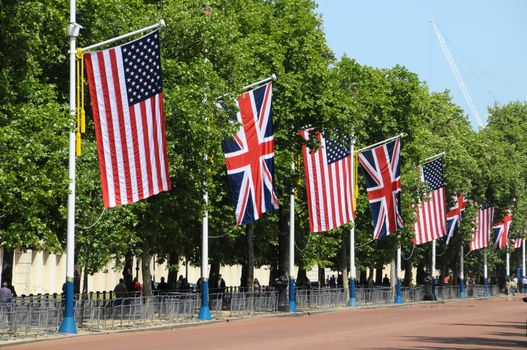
x: 160, y: 24
x: 429, y: 159
x: 380, y: 142
x: 263, y: 81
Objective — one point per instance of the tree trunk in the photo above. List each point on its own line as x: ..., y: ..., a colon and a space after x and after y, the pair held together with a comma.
x: 128, y: 274
x: 393, y: 275
x: 407, y: 272
x: 378, y: 272
x: 243, y: 277
x: 283, y: 241
x: 145, y: 266
x: 249, y: 231
x: 321, y: 277
x: 344, y: 263
x: 173, y: 266
x: 84, y: 283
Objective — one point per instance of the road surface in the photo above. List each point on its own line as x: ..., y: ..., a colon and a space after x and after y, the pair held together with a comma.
x: 498, y: 323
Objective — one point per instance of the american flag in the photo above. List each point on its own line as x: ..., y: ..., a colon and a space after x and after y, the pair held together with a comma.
x: 249, y: 156
x: 431, y: 221
x: 329, y: 182
x: 381, y: 171
x: 480, y: 238
x: 127, y: 101
x: 455, y: 215
x: 501, y: 232
x: 517, y: 243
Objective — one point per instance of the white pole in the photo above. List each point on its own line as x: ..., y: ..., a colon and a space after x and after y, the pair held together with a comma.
x: 434, y: 259
x: 398, y: 294
x: 485, y: 275
x: 461, y: 272
x: 523, y: 266
x: 353, y: 272
x: 68, y: 324
x: 292, y: 301
x: 272, y: 77
x: 508, y: 262
x: 160, y: 24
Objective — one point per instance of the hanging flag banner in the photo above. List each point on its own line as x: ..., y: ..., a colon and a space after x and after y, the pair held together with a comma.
x: 517, y: 243
x: 127, y: 100
x: 381, y: 170
x: 501, y: 232
x: 329, y: 182
x: 431, y: 219
x: 249, y: 156
x: 481, y: 234
x: 454, y: 216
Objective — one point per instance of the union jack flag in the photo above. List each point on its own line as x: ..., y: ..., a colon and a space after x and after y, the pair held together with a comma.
x: 381, y: 171
x: 501, y: 232
x: 249, y: 156
x: 455, y: 215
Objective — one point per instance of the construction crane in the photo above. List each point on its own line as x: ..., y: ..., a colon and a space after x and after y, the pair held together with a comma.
x: 456, y: 73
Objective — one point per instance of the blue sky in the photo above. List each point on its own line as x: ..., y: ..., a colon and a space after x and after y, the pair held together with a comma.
x: 487, y: 39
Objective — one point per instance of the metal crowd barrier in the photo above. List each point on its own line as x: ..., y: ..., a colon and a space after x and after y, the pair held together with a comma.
x: 245, y: 303
x: 42, y: 314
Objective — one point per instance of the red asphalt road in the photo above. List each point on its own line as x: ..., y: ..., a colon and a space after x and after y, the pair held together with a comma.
x: 471, y: 324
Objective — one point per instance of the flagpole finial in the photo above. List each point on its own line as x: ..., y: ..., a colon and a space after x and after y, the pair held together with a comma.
x: 273, y: 76
x: 162, y: 24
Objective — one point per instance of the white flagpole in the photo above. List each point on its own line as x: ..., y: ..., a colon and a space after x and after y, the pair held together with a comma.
x: 508, y: 262
x: 523, y: 266
x: 204, y: 312
x: 381, y: 142
x: 485, y: 280
x: 68, y: 323
x: 434, y: 276
x: 461, y: 273
x: 398, y: 295
x: 160, y: 24
x: 292, y: 301
x: 353, y: 272
x: 263, y: 81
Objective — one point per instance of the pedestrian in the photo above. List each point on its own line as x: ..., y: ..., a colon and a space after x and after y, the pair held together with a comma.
x: 136, y: 285
x: 120, y: 292
x: 162, y: 286
x: 5, y: 294
x: 221, y: 284
x: 256, y: 286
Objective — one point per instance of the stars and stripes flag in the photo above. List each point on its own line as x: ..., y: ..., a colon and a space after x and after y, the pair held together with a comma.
x: 480, y: 237
x: 127, y: 100
x: 454, y: 216
x: 329, y: 182
x: 381, y: 170
x: 517, y: 243
x: 249, y: 156
x: 431, y: 220
x: 501, y: 232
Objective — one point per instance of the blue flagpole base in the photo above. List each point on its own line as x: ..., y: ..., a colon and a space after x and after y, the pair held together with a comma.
x: 204, y: 312
x: 485, y: 288
x: 353, y: 294
x: 292, y: 301
x: 68, y: 326
x: 461, y: 290
x: 398, y: 295
x: 524, y: 290
x: 352, y: 302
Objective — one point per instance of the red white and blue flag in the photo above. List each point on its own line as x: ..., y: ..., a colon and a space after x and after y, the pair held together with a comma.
x: 431, y: 220
x: 249, y: 156
x: 517, y: 243
x: 454, y: 216
x: 127, y: 100
x: 381, y: 171
x: 501, y: 232
x: 480, y: 237
x: 329, y: 182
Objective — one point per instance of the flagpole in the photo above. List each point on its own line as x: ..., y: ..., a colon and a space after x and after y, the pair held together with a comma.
x: 523, y: 266
x: 508, y: 262
x: 160, y: 24
x: 68, y: 323
x: 204, y: 312
x: 434, y: 269
x: 292, y: 293
x: 263, y: 81
x: 429, y: 159
x: 353, y: 293
x: 381, y: 142
x: 485, y: 281
x: 461, y: 273
x: 398, y: 295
